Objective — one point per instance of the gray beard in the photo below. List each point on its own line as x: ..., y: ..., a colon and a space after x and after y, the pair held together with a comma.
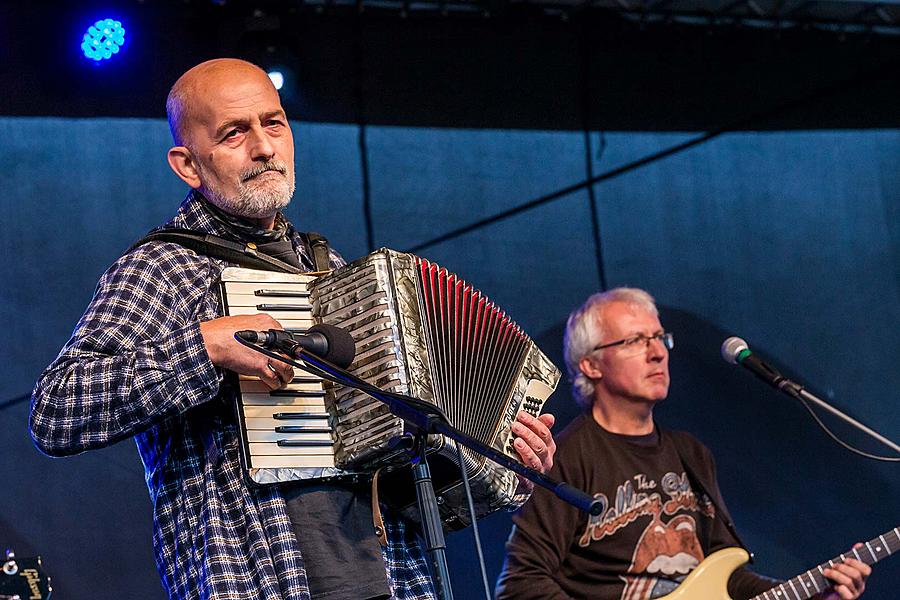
x: 254, y: 200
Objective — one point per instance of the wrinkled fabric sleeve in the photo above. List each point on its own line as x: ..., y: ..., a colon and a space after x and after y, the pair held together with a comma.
x: 541, y: 535
x: 135, y: 358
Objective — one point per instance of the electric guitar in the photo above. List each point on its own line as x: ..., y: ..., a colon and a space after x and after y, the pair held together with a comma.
x: 23, y: 579
x: 709, y: 581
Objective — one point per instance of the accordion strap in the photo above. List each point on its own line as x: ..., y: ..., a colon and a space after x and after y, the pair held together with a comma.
x: 377, y: 520
x: 318, y: 245
x: 247, y: 255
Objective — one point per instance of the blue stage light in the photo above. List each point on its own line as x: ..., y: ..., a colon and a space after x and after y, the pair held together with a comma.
x: 103, y: 39
x: 277, y: 78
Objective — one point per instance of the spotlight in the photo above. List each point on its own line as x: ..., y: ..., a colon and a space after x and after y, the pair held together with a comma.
x: 103, y: 39
x: 277, y: 78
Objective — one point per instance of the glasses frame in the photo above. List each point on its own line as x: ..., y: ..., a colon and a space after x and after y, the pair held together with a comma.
x: 666, y: 338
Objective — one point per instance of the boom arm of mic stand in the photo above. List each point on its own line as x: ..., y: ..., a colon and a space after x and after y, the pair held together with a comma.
x: 804, y: 394
x: 563, y: 490
x: 428, y: 418
x: 799, y: 392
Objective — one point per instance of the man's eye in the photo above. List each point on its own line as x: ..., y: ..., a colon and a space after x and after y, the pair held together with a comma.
x: 632, y: 341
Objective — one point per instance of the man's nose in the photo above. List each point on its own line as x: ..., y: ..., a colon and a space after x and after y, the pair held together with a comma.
x: 656, y: 349
x: 261, y: 147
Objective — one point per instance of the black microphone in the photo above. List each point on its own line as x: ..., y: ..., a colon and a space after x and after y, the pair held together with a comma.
x: 736, y: 351
x: 325, y: 341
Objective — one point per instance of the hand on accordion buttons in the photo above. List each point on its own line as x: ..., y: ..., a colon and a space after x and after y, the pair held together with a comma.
x: 224, y: 351
x: 534, y: 442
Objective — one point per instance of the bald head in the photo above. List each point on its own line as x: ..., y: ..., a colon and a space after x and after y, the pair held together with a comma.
x: 190, y: 94
x: 233, y: 142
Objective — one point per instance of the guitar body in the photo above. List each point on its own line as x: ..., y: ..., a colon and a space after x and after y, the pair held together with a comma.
x: 709, y: 581
x: 23, y: 579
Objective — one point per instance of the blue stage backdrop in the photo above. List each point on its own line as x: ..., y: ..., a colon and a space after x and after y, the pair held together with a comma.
x: 791, y: 240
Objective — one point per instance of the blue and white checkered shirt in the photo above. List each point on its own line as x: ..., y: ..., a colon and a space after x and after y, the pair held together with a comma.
x: 136, y: 366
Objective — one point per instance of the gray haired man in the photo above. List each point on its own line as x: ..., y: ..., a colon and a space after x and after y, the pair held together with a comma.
x: 663, y: 512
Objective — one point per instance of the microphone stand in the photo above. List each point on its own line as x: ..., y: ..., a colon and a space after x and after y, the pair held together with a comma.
x: 425, y: 418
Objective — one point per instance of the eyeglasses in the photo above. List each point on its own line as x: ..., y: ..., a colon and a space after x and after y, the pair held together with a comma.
x: 640, y: 343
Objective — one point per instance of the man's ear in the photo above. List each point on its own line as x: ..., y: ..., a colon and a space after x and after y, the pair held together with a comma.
x: 588, y: 365
x: 182, y: 162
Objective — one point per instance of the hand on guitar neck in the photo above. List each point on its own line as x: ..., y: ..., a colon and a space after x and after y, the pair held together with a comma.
x: 849, y: 579
x: 841, y: 578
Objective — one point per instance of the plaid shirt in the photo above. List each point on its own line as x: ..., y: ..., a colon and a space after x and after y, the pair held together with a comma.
x: 136, y: 366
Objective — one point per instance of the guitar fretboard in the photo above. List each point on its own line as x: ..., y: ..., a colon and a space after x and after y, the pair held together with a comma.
x: 814, y: 581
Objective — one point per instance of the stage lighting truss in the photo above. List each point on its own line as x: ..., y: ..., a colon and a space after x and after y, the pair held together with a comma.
x: 842, y: 16
x: 868, y: 16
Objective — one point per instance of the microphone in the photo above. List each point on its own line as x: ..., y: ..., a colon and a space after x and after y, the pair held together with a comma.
x: 737, y: 352
x: 325, y: 341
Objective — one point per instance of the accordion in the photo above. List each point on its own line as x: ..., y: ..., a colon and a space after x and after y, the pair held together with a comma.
x: 419, y: 330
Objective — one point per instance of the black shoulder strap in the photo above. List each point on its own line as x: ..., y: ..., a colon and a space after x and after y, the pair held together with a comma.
x: 214, y: 246
x: 698, y: 484
x: 319, y: 250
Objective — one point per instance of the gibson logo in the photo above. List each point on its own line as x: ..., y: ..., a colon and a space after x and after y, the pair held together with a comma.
x: 34, y: 581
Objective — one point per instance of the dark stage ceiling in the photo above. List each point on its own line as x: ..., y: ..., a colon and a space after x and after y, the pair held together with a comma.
x: 609, y: 64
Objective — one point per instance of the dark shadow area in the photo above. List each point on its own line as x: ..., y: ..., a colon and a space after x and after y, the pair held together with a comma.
x: 518, y: 70
x: 88, y: 517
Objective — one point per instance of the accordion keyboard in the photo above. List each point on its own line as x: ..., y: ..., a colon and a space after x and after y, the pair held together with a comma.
x: 286, y: 433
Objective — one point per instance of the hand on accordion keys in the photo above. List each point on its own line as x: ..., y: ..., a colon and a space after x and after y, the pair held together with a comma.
x: 534, y: 443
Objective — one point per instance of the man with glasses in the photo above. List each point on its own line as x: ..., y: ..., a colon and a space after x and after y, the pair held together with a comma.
x: 662, y: 509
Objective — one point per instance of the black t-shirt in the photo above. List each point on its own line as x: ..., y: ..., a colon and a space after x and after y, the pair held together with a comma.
x: 333, y: 522
x: 652, y: 532
x: 334, y: 529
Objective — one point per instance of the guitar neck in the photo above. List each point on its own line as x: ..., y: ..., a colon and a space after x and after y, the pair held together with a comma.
x: 807, y: 585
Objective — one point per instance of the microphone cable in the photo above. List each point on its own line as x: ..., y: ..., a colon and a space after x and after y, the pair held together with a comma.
x: 841, y: 442
x: 475, y: 533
